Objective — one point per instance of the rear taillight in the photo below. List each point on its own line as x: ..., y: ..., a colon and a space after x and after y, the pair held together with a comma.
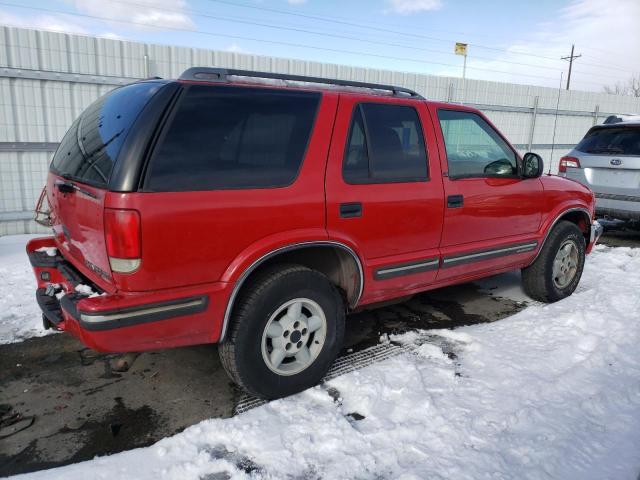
x: 123, y: 237
x: 568, y: 162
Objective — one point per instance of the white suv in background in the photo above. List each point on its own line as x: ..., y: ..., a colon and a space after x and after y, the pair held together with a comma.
x: 607, y: 160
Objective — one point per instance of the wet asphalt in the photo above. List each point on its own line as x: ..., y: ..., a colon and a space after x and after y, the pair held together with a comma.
x: 74, y: 406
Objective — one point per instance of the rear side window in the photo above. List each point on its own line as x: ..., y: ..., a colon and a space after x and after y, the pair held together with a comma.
x: 90, y: 148
x: 385, y: 145
x: 233, y: 137
x: 611, y: 141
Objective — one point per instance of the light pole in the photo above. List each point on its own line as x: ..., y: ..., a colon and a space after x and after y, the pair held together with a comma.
x: 461, y: 49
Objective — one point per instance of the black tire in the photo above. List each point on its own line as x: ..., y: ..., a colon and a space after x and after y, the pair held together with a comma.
x: 537, y: 278
x: 241, y: 352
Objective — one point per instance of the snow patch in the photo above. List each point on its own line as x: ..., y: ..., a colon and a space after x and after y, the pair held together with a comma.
x: 20, y: 316
x: 51, y: 251
x: 551, y: 392
x: 84, y: 289
x: 88, y: 291
x: 429, y: 350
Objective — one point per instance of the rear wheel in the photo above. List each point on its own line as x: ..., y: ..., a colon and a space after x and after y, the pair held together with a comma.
x: 287, y: 329
x: 556, y: 272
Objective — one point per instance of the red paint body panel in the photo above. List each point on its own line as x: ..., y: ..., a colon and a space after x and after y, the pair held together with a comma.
x: 78, y: 228
x: 560, y: 196
x: 494, y: 209
x: 190, y: 238
x: 194, y: 329
x: 400, y: 222
x: 201, y: 243
x: 462, y: 273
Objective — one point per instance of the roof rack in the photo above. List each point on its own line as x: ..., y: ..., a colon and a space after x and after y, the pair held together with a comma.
x: 211, y: 74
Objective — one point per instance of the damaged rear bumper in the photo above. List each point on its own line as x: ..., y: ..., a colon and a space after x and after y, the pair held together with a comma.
x: 126, y: 317
x: 596, y: 232
x: 121, y: 321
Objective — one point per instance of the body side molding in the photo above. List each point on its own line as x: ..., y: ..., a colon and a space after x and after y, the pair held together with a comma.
x: 406, y: 268
x: 488, y: 253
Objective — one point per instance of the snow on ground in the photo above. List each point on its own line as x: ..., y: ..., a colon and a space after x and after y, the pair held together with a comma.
x: 552, y: 392
x: 506, y: 285
x: 20, y: 316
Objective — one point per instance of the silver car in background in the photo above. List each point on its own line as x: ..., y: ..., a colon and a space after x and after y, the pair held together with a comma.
x: 607, y: 160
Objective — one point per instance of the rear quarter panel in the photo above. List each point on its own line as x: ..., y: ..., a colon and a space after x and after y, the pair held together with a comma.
x: 190, y: 238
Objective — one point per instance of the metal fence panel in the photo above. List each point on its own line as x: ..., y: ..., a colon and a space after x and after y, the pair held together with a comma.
x: 47, y: 79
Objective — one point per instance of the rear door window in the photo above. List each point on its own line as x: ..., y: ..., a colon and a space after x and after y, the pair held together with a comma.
x: 385, y: 145
x: 90, y: 148
x: 233, y: 137
x: 611, y: 141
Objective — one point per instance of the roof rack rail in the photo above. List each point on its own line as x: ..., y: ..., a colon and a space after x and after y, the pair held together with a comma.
x: 211, y: 74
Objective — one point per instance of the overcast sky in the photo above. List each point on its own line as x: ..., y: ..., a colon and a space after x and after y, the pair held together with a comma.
x: 508, y: 40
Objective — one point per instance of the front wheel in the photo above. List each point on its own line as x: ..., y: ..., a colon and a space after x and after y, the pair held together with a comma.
x: 287, y: 330
x: 555, y: 274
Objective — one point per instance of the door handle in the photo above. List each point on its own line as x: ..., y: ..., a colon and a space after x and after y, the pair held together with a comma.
x: 455, y: 201
x: 350, y: 210
x: 65, y: 187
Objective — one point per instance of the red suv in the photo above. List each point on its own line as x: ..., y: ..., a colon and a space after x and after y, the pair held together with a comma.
x: 255, y: 210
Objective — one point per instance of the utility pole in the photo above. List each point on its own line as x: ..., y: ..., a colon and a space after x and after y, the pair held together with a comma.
x: 571, y: 58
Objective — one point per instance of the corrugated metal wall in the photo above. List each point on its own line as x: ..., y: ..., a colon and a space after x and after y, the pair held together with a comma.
x: 47, y: 79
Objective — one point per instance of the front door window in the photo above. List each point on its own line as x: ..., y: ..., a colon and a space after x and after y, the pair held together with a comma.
x: 474, y: 148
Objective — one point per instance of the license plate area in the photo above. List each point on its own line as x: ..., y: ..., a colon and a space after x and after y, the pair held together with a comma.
x: 613, y: 178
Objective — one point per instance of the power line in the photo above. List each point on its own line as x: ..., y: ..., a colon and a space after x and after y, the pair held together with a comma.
x: 607, y: 64
x: 332, y: 18
x: 204, y: 14
x: 364, y: 25
x: 274, y: 42
x: 208, y: 15
x: 403, y: 33
x: 608, y: 52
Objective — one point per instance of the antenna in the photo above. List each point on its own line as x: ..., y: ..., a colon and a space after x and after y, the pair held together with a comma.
x: 555, y: 123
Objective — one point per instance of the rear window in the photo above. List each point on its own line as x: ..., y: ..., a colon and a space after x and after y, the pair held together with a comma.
x: 90, y: 148
x: 611, y: 141
x: 233, y: 137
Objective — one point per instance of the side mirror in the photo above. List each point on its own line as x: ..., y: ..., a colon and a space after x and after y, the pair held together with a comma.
x: 532, y: 165
x: 499, y: 167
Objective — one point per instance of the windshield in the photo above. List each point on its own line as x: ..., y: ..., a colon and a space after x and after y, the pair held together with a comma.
x: 612, y: 141
x: 90, y: 148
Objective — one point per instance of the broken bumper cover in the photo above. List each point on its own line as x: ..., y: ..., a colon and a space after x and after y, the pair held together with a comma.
x: 122, y: 321
x: 596, y: 232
